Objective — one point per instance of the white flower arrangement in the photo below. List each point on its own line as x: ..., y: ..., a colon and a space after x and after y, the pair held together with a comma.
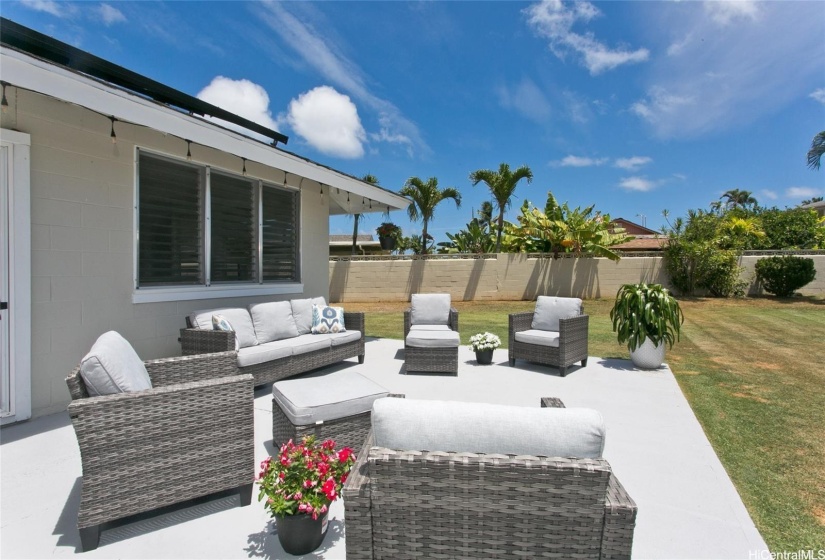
x: 484, y: 341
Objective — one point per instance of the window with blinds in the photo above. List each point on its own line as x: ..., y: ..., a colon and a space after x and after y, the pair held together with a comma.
x: 252, y: 227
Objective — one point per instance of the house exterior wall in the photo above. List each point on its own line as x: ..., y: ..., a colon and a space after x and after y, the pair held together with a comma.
x: 82, y: 238
x: 511, y: 277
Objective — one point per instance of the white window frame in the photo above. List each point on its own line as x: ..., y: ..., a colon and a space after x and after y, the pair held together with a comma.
x: 152, y: 294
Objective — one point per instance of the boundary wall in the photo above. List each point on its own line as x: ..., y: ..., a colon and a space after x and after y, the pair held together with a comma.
x: 512, y: 276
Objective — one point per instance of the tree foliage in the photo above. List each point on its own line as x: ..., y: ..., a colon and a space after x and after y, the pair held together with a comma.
x: 782, y: 276
x: 502, y: 185
x: 425, y: 196
x: 475, y: 238
x: 816, y: 151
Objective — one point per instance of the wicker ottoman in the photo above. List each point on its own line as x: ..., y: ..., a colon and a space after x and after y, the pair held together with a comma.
x: 432, y: 351
x: 329, y: 405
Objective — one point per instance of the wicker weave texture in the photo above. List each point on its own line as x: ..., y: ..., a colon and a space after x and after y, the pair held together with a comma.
x: 431, y: 360
x: 203, y: 341
x: 572, y: 346
x: 191, y: 435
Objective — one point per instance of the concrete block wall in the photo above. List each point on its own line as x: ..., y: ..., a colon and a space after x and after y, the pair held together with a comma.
x: 510, y: 277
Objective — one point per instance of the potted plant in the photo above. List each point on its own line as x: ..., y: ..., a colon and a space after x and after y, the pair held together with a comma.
x: 388, y: 235
x: 483, y: 345
x: 299, y: 485
x: 646, y: 317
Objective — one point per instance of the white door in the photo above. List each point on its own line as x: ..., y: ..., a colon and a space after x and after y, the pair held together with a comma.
x: 6, y: 382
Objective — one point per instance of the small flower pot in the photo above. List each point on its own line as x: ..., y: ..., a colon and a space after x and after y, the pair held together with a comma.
x: 387, y: 243
x: 484, y: 357
x: 299, y: 533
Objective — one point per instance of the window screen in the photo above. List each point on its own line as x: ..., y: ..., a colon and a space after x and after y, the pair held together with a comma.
x: 234, y: 251
x: 279, y: 235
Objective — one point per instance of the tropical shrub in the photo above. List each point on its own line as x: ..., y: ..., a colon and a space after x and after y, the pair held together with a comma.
x: 794, y: 228
x: 646, y: 311
x: 476, y: 238
x: 782, y: 276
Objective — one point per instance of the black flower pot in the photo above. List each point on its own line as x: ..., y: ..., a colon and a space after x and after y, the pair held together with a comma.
x: 484, y: 357
x: 387, y: 243
x: 299, y: 533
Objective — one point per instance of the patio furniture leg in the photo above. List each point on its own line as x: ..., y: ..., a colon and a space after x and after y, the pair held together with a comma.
x: 89, y: 537
x: 361, y: 358
x: 563, y: 371
x: 246, y: 494
x: 584, y: 362
x: 512, y: 362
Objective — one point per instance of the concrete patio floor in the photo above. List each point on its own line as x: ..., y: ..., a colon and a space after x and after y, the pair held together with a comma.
x: 688, y: 507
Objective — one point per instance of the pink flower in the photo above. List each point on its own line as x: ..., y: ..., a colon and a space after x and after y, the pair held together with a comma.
x: 345, y: 454
x: 329, y: 489
x: 323, y: 508
x: 298, y: 495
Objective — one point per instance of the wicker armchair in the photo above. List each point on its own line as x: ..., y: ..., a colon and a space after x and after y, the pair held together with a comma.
x: 425, y: 504
x: 572, y: 342
x: 188, y: 436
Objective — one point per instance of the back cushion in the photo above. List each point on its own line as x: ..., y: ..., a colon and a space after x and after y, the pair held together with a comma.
x: 550, y: 309
x: 420, y: 425
x: 430, y: 309
x: 273, y: 321
x: 238, y: 317
x: 112, y: 366
x: 302, y: 312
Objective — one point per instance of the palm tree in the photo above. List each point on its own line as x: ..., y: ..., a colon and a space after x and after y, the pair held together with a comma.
x: 816, y: 151
x: 425, y: 197
x: 811, y: 200
x: 485, y: 215
x: 372, y: 180
x: 736, y: 198
x: 502, y: 184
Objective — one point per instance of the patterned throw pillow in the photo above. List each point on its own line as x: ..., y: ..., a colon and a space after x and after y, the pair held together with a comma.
x: 219, y: 323
x: 327, y: 319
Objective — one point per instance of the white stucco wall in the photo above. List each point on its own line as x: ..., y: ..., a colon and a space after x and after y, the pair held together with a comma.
x: 82, y: 238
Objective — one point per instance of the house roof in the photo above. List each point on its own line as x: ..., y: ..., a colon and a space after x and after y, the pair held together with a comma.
x: 633, y: 228
x: 28, y: 70
x: 642, y: 244
x: 360, y: 239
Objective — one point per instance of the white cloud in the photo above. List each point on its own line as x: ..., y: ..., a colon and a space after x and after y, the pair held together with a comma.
x: 578, y: 161
x: 802, y: 192
x: 110, y: 14
x: 640, y: 184
x: 818, y: 95
x: 660, y: 106
x: 632, y: 163
x: 769, y: 194
x: 526, y: 98
x: 728, y: 11
x: 243, y: 98
x: 48, y: 6
x: 554, y: 20
x: 318, y: 51
x: 328, y: 121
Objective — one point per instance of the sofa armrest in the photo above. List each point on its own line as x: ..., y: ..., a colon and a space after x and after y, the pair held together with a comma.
x: 357, y: 506
x: 619, y: 521
x: 453, y: 320
x: 183, y: 369
x: 355, y: 321
x: 203, y: 341
x: 573, y: 329
x: 518, y: 322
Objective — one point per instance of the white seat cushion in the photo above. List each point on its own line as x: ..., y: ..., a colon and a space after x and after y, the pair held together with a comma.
x: 273, y: 320
x: 414, y: 328
x: 541, y: 338
x: 310, y: 343
x: 433, y: 339
x: 419, y: 425
x: 112, y: 366
x: 238, y: 317
x: 344, y: 337
x: 325, y: 396
x: 430, y: 309
x: 265, y: 352
x: 302, y: 312
x: 550, y: 309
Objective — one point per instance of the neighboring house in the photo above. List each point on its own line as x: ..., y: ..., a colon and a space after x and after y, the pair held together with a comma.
x: 127, y: 211
x: 646, y: 239
x: 818, y: 206
x: 365, y: 244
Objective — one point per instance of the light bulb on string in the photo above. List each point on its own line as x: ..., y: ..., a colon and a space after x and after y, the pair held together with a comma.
x: 113, y: 136
x: 188, y: 150
x: 4, y: 102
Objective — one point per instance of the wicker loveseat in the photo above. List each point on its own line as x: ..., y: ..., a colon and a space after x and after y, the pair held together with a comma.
x: 189, y: 435
x: 554, y: 334
x: 273, y: 339
x: 404, y: 504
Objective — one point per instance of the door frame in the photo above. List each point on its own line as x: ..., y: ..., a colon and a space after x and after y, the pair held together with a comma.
x: 19, y: 270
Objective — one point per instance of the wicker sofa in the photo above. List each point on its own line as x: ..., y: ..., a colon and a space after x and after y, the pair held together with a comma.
x: 273, y: 340
x: 189, y: 435
x: 402, y: 504
x: 554, y: 334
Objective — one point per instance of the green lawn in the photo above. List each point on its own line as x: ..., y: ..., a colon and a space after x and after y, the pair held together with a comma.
x: 753, y: 373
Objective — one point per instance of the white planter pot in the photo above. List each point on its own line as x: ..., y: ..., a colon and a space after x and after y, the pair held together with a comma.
x: 648, y: 356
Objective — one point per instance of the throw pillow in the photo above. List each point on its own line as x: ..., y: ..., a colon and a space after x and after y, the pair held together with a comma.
x: 327, y: 319
x: 219, y: 323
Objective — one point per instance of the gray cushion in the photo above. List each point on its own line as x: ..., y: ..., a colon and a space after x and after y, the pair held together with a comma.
x: 550, y: 309
x: 302, y: 312
x: 238, y: 317
x: 325, y: 396
x: 541, y: 338
x: 432, y: 309
x: 265, y: 352
x: 421, y: 425
x: 433, y: 339
x: 344, y: 337
x: 310, y: 343
x: 112, y: 366
x: 273, y: 321
x: 414, y: 328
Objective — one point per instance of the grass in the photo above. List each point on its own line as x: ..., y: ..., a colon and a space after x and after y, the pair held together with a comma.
x: 752, y: 372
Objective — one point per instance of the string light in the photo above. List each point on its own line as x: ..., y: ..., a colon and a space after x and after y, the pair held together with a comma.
x: 188, y: 150
x: 113, y: 136
x: 244, y: 166
x: 370, y: 204
x: 5, y: 102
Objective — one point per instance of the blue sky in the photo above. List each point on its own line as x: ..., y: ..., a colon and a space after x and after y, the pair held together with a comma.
x: 635, y: 107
